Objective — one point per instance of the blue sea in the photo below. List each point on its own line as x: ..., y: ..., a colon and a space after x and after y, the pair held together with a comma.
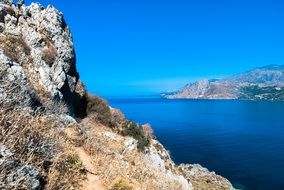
x: 240, y: 140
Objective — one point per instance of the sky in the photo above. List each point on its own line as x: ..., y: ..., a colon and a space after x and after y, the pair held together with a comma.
x: 144, y: 47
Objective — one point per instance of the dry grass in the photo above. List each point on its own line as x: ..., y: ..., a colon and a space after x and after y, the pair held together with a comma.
x: 148, y: 131
x: 66, y: 172
x: 120, y: 184
x: 14, y: 47
x: 48, y: 54
x: 99, y: 110
x: 35, y: 138
x: 112, y: 160
x: 38, y: 142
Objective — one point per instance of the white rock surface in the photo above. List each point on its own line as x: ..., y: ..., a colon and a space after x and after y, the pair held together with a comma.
x: 130, y: 144
x: 109, y: 135
x: 42, y: 32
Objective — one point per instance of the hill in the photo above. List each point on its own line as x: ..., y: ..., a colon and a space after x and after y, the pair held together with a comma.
x: 264, y: 83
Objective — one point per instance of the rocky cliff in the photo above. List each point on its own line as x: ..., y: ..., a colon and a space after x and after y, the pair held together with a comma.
x: 37, y: 49
x: 265, y: 83
x: 53, y: 135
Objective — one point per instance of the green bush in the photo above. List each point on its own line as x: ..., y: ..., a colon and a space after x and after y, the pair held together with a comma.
x: 134, y: 130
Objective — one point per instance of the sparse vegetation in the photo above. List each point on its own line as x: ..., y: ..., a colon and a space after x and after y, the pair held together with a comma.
x: 35, y: 140
x: 120, y: 184
x: 99, y: 110
x: 48, y: 54
x: 66, y: 172
x: 134, y: 130
x: 14, y: 47
x: 255, y: 92
x: 148, y: 131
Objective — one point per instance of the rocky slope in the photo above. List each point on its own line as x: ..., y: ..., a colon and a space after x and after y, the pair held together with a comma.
x: 261, y: 83
x: 53, y: 135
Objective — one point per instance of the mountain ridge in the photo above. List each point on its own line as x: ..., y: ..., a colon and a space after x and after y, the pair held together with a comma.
x: 262, y: 83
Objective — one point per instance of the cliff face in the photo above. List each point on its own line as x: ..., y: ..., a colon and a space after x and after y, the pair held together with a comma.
x: 260, y: 83
x: 37, y: 49
x: 55, y: 136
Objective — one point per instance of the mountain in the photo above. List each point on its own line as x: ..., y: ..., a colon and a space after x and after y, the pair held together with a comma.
x: 264, y: 83
x: 55, y: 135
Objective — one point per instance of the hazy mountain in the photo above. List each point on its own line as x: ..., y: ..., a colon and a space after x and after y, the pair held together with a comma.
x: 271, y: 75
x: 259, y: 83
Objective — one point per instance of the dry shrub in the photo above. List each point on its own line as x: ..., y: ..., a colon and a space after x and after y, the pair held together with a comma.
x: 38, y: 142
x: 48, y: 54
x: 148, y: 131
x: 31, y: 147
x: 120, y: 184
x: 117, y: 115
x: 66, y: 172
x: 99, y: 110
x: 75, y: 135
x: 14, y: 47
x: 35, y: 139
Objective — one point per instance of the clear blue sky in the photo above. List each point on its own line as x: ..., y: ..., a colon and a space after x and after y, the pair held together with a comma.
x: 140, y: 47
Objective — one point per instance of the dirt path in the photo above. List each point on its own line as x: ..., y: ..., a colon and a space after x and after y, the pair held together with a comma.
x: 92, y: 182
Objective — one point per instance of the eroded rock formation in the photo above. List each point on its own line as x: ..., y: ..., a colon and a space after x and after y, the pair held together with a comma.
x: 37, y: 46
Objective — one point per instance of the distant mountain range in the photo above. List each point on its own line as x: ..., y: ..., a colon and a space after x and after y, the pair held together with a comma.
x: 264, y: 83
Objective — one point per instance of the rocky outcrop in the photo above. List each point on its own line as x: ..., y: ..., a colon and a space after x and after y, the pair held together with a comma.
x: 260, y: 83
x: 191, y: 176
x: 37, y: 46
x: 202, y: 178
x: 16, y: 171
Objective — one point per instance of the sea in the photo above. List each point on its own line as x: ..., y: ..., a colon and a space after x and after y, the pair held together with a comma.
x: 240, y: 140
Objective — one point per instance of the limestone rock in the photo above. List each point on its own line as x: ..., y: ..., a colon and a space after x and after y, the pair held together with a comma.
x: 109, y: 135
x: 44, y: 45
x: 16, y: 172
x: 130, y: 143
x: 29, y: 174
x: 4, y: 151
x: 202, y: 178
x: 157, y: 156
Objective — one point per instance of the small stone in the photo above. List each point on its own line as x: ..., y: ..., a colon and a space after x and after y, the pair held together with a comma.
x: 109, y: 135
x: 130, y: 144
x: 4, y: 151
